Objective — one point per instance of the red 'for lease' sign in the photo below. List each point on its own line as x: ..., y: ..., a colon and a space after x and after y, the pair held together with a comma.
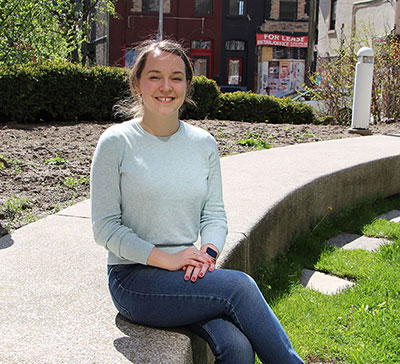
x: 281, y: 40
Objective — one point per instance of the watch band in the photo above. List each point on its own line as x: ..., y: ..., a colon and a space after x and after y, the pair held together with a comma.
x: 212, y: 253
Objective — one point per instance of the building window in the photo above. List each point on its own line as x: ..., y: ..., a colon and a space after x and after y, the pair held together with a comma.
x: 203, y: 7
x: 151, y: 6
x: 288, y: 9
x: 235, y: 66
x: 237, y: 7
x: 332, y: 22
x: 307, y: 7
x: 288, y: 53
x: 202, y: 54
x: 235, y: 45
x: 201, y: 44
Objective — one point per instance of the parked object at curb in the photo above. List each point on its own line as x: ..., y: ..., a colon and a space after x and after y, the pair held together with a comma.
x: 232, y: 88
x: 318, y: 103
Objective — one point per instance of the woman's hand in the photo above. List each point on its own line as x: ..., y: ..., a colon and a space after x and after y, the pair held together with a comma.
x: 193, y: 272
x: 189, y: 257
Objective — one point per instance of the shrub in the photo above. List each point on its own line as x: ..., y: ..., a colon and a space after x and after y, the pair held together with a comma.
x: 247, y: 106
x: 206, y: 95
x: 295, y: 112
x: 69, y: 92
x: 59, y: 91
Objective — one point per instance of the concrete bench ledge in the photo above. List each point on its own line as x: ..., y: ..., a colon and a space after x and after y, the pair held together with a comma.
x: 55, y: 307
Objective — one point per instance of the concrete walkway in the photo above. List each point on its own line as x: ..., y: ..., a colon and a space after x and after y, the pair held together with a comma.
x: 55, y: 306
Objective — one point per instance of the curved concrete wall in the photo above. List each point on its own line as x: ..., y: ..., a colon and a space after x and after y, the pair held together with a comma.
x: 271, y: 195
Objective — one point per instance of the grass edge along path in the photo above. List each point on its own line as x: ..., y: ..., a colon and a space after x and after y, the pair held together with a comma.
x: 358, y: 325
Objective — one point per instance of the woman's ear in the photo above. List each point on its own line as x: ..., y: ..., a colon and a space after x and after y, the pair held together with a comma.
x: 137, y: 86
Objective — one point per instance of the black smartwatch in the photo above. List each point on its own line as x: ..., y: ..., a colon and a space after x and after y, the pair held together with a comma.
x: 212, y: 253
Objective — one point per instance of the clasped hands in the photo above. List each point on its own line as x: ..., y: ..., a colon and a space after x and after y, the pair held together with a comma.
x: 198, y: 262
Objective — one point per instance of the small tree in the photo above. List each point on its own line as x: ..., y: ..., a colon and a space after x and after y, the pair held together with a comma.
x: 29, y: 32
x: 334, y: 80
x: 385, y: 103
x: 333, y: 83
x: 47, y: 30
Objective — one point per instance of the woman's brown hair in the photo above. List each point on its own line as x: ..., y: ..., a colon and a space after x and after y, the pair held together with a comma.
x: 133, y: 106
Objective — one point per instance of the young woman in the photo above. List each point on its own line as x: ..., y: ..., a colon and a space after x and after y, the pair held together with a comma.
x: 155, y: 185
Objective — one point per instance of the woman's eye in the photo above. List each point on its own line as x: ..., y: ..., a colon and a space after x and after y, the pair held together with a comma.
x: 177, y: 79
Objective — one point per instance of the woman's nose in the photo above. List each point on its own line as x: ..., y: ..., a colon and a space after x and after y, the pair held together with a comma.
x: 165, y: 84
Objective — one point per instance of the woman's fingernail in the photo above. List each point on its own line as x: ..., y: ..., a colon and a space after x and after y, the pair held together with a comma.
x: 193, y: 279
x: 186, y: 278
x: 201, y: 274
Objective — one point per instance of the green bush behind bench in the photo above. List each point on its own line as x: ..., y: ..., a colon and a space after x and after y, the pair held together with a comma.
x: 69, y: 92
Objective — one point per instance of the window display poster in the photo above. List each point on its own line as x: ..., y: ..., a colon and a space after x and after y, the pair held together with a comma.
x: 282, y: 77
x: 284, y: 70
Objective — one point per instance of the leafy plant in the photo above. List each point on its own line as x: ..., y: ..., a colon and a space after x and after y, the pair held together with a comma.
x: 15, y: 205
x: 56, y: 161
x: 305, y: 135
x: 254, y: 140
x: 74, y: 182
x: 4, y: 162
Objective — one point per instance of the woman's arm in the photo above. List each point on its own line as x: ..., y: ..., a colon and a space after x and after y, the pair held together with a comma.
x: 105, y: 194
x: 213, y: 224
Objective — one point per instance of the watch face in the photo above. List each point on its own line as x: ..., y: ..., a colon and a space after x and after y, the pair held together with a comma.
x: 211, y: 252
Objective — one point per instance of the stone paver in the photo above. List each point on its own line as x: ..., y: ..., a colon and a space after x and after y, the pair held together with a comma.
x: 393, y: 216
x: 354, y: 241
x: 323, y: 283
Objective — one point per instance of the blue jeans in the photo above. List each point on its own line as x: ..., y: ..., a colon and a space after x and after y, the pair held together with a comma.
x: 225, y: 308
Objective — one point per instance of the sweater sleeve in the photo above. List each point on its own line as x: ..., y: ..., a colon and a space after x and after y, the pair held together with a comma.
x: 105, y: 194
x: 213, y: 224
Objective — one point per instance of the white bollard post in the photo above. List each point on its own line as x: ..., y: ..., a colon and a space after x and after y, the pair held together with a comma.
x: 362, y: 91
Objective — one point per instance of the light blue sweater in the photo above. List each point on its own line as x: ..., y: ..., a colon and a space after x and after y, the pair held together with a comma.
x: 148, y: 191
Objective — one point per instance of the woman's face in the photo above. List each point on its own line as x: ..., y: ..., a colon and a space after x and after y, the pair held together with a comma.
x: 162, y: 84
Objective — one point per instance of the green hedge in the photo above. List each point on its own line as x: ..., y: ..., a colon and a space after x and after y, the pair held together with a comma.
x: 243, y: 106
x: 60, y: 92
x: 206, y: 95
x: 68, y: 92
x: 247, y: 106
x: 295, y: 112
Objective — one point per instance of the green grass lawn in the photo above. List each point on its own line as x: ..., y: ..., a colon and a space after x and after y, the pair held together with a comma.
x: 358, y: 325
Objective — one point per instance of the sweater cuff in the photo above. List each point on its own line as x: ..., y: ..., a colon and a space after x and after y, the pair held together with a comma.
x: 215, y: 237
x: 131, y: 252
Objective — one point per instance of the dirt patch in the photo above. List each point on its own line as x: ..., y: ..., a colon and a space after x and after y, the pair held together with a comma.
x: 45, y: 168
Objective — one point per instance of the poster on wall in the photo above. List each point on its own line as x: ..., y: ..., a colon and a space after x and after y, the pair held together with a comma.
x: 281, y: 78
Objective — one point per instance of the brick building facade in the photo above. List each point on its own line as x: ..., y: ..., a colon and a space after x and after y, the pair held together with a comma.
x: 222, y: 38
